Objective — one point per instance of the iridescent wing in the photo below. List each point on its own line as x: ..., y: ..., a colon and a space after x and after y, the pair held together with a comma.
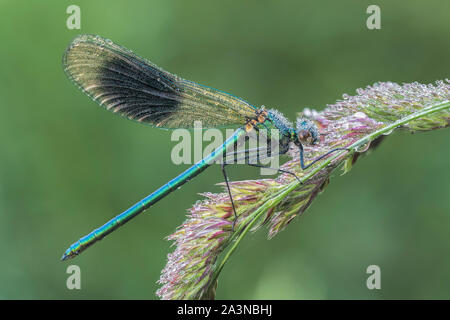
x: 137, y: 89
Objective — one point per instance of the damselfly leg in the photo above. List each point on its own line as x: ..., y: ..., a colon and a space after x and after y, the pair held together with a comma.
x: 302, y: 161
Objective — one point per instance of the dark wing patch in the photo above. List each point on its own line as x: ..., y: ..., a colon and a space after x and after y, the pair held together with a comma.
x: 137, y: 89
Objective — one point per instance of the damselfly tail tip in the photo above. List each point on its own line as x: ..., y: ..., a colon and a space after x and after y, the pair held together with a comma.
x: 67, y: 255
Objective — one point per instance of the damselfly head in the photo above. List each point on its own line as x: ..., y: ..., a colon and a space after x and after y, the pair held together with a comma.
x: 307, y: 131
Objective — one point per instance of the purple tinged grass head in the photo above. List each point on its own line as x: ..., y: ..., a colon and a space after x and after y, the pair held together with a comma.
x: 200, y: 239
x: 355, y: 122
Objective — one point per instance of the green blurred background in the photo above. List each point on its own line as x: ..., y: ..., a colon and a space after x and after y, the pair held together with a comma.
x: 67, y: 166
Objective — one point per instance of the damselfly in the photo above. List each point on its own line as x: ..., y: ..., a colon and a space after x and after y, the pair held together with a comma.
x: 137, y: 89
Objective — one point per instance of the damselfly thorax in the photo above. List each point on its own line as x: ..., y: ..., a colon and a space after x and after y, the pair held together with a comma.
x: 272, y: 131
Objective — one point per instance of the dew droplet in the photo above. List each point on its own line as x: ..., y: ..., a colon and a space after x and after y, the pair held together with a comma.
x: 363, y: 148
x: 388, y: 132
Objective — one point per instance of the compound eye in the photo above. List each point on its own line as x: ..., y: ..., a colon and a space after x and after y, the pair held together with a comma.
x: 307, y: 131
x: 303, y: 135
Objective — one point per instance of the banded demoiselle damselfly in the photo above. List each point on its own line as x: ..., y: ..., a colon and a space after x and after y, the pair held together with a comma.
x: 137, y: 89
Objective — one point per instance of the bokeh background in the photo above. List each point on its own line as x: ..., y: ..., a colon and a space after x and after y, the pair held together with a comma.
x: 67, y: 166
